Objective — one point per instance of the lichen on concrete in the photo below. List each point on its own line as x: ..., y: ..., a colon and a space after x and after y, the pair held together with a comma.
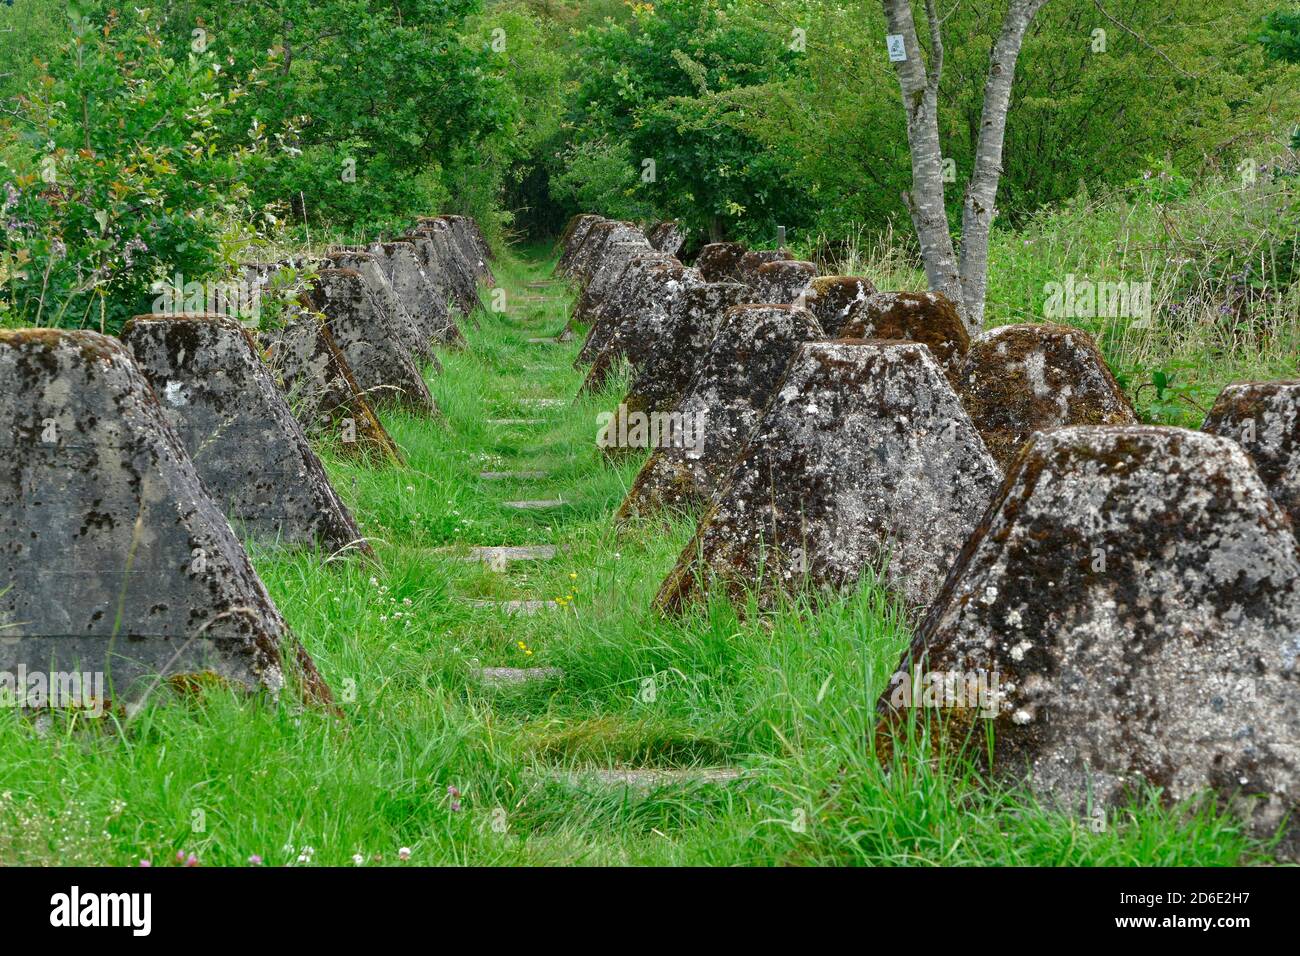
x: 1264, y: 418
x: 717, y: 261
x: 673, y: 357
x: 832, y: 298
x: 1136, y: 593
x: 1018, y: 379
x: 373, y: 349
x: 926, y: 317
x: 864, y: 462
x: 784, y: 281
x: 115, y: 559
x: 736, y: 379
x: 251, y: 453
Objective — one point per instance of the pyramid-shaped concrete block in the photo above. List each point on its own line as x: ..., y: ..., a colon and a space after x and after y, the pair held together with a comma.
x: 717, y: 261
x: 668, y: 236
x: 783, y: 282
x: 462, y: 243
x: 747, y: 268
x: 116, y: 561
x: 571, y: 240
x: 587, y: 252
x: 832, y: 298
x: 608, y: 278
x: 673, y: 357
x: 323, y: 393
x: 601, y: 241
x: 416, y: 336
x: 864, y: 461
x: 469, y: 238
x: 926, y: 317
x: 1264, y: 418
x: 373, y: 349
x: 420, y: 293
x: 446, y: 266
x: 251, y: 452
x: 1018, y: 379
x: 695, y: 444
x: 635, y: 319
x: 1129, y: 611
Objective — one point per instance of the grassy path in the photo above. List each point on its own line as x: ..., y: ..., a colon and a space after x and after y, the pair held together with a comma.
x: 429, y: 758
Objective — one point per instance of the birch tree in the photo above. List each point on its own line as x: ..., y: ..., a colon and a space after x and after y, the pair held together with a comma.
x: 958, y: 270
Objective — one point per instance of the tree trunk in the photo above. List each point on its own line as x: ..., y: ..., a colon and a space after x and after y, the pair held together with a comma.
x: 964, y: 280
x: 925, y: 202
x: 980, y: 206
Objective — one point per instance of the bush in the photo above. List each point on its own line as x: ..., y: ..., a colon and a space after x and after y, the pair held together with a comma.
x: 113, y: 177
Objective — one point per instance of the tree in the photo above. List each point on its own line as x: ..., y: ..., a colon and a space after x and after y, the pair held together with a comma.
x: 959, y: 273
x: 650, y: 126
x: 1281, y: 40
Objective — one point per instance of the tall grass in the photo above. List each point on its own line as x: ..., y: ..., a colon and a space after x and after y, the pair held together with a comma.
x: 1221, y: 258
x: 425, y: 758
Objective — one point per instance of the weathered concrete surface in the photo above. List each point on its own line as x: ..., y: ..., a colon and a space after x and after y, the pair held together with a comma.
x: 722, y: 404
x: 784, y: 281
x: 359, y: 327
x: 415, y: 336
x: 1264, y: 418
x: 462, y: 243
x: 596, y: 247
x: 470, y: 239
x: 1137, y: 594
x: 746, y: 270
x: 637, y: 322
x: 114, y: 558
x: 638, y: 783
x: 422, y: 295
x: 832, y: 298
x: 447, y: 267
x: 926, y: 317
x: 1018, y: 379
x: 668, y: 236
x: 324, y: 395
x: 608, y: 277
x: 717, y: 261
x: 615, y: 292
x: 863, y: 461
x: 674, y: 357
x: 500, y: 557
x: 498, y: 678
x: 586, y: 252
x: 252, y: 454
x: 575, y: 231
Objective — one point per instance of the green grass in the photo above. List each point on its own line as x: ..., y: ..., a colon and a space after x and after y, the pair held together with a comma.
x: 788, y: 696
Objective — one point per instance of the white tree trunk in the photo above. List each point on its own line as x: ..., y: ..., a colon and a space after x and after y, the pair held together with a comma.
x: 925, y: 202
x: 981, y: 192
x: 963, y: 280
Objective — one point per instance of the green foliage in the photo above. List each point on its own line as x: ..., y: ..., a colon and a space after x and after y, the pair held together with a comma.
x: 525, y: 59
x: 422, y: 756
x: 115, y: 175
x: 652, y: 98
x: 1281, y: 36
x: 1219, y: 257
x: 30, y: 33
x: 1281, y: 41
x: 787, y: 111
x: 365, y: 103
